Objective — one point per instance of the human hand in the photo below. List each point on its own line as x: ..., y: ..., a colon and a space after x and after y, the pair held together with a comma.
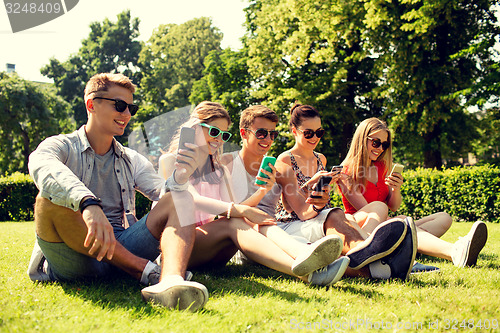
x: 346, y: 181
x: 188, y: 160
x: 394, y: 181
x: 270, y: 181
x: 310, y: 186
x: 257, y: 216
x: 319, y: 199
x: 100, y: 233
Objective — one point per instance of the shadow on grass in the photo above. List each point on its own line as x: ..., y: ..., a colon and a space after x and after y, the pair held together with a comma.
x: 124, y: 292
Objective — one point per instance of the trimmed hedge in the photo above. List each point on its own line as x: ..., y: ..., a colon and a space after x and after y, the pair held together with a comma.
x: 466, y: 193
x: 17, y: 197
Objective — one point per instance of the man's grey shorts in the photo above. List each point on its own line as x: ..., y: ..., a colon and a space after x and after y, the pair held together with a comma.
x: 312, y: 229
x: 67, y: 264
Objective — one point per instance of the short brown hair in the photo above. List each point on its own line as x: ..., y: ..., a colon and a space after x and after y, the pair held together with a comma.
x: 255, y: 111
x: 103, y: 81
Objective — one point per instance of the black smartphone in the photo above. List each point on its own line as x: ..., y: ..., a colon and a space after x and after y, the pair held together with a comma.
x: 323, y: 181
x: 337, y: 168
x: 187, y: 136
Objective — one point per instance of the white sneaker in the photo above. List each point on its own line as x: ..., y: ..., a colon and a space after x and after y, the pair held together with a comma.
x: 330, y: 274
x: 318, y: 255
x: 175, y: 293
x: 467, y: 248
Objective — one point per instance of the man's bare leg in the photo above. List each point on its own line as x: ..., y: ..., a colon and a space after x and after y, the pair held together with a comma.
x: 176, y: 241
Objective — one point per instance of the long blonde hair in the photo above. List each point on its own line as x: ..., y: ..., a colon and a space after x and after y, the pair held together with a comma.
x: 204, y: 112
x: 357, y: 160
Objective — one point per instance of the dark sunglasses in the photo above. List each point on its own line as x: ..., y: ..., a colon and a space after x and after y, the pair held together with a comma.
x: 309, y: 133
x: 262, y: 133
x: 215, y: 132
x: 120, y: 105
x: 377, y: 143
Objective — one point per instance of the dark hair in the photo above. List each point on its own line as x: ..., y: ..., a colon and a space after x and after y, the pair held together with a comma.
x: 299, y: 112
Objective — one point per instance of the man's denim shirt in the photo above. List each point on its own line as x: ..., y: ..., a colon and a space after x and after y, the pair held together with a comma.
x: 62, y: 167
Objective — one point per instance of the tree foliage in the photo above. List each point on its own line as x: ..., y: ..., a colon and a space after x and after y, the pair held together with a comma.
x: 110, y: 47
x: 430, y: 52
x: 30, y: 112
x: 410, y: 62
x: 171, y: 61
x: 226, y: 80
x: 313, y: 53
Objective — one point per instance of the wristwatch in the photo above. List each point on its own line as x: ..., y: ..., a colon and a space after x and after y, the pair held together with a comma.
x: 89, y: 202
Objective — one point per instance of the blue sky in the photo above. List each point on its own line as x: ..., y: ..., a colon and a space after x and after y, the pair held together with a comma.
x: 31, y: 49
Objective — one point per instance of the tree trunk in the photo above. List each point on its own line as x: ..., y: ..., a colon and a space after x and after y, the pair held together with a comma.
x: 432, y: 148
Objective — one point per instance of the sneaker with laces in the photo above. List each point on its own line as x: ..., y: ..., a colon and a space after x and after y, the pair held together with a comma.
x: 382, y: 241
x: 467, y: 248
x: 175, y: 293
x: 318, y: 255
x: 330, y: 274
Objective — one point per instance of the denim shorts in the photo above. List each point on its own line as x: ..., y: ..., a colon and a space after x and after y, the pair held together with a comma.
x: 67, y: 264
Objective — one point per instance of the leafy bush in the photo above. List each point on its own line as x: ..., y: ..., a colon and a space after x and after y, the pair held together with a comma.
x: 17, y: 197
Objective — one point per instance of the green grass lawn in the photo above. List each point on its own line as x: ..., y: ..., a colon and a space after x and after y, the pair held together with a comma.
x: 256, y: 299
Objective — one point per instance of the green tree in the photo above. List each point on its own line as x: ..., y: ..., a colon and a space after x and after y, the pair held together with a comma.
x: 171, y: 61
x: 413, y: 62
x: 429, y: 54
x: 313, y: 52
x: 30, y: 112
x: 225, y: 80
x: 110, y: 47
x: 487, y: 144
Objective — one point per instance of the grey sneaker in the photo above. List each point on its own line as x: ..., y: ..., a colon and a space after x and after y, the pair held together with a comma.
x: 38, y: 268
x: 177, y: 294
x: 152, y: 273
x: 318, y: 255
x: 467, y: 248
x: 330, y: 274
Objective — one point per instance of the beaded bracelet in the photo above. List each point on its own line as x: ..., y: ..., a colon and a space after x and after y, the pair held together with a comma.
x: 231, y: 204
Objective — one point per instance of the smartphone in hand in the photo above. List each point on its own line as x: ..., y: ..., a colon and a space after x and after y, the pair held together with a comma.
x: 187, y: 136
x: 323, y: 181
x: 265, y: 165
x: 337, y: 169
x: 397, y: 168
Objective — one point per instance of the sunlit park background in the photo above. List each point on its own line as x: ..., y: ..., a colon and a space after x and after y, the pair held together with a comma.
x: 428, y: 68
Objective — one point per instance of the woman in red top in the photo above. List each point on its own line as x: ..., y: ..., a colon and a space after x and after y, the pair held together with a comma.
x: 367, y: 164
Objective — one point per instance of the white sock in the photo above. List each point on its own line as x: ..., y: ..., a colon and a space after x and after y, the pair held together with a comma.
x: 149, y: 267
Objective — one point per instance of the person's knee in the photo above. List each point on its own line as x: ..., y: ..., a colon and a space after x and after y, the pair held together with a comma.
x: 446, y: 220
x: 335, y: 217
